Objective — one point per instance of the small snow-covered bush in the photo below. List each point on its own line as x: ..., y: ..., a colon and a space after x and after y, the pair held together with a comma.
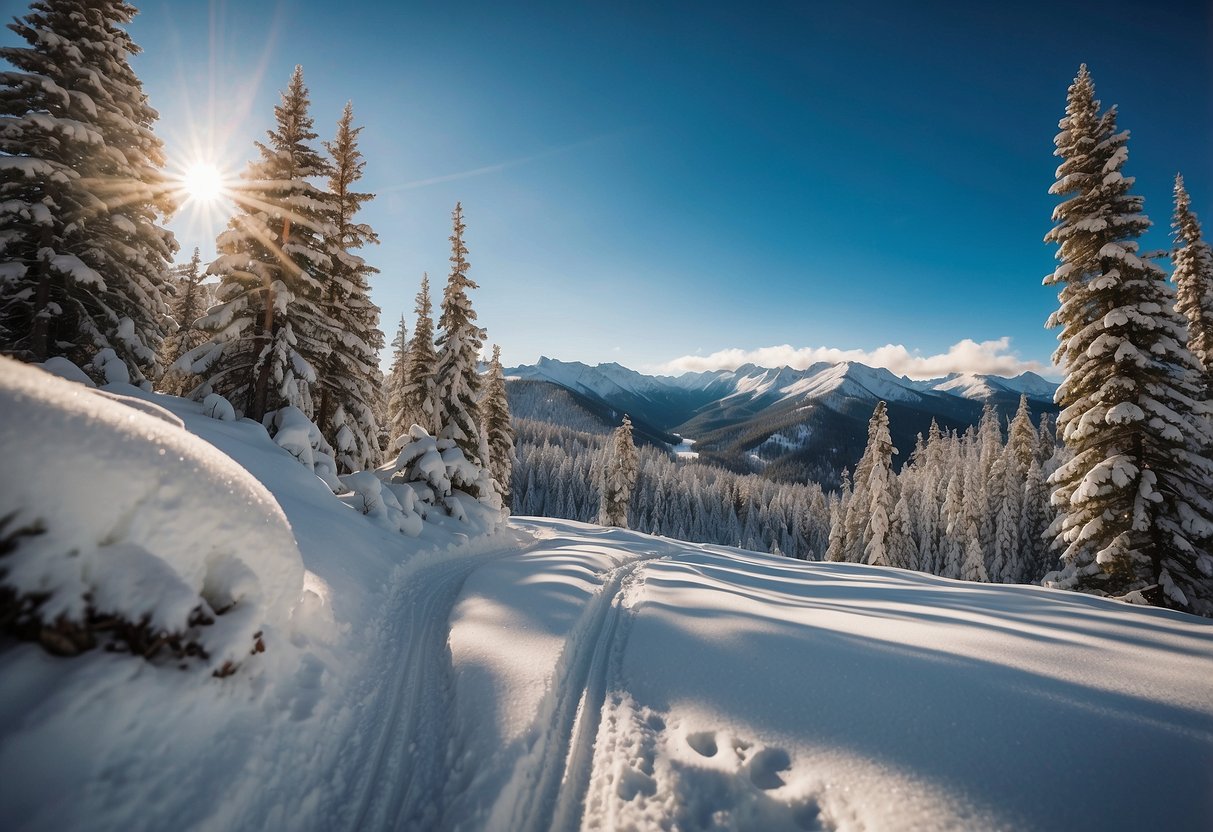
x: 438, y: 474
x: 123, y: 530
x: 386, y: 506
x: 295, y: 433
x: 218, y: 407
x: 109, y: 368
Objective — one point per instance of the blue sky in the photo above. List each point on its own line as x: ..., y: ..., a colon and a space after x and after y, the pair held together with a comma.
x: 646, y: 181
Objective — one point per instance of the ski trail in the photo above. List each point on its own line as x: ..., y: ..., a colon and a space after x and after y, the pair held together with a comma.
x: 400, y: 781
x: 553, y: 778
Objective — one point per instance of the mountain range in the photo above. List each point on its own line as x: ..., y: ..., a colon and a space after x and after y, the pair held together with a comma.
x: 785, y: 422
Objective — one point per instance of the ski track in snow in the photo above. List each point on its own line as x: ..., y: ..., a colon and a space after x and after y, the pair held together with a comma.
x: 403, y: 781
x: 408, y: 777
x: 555, y: 774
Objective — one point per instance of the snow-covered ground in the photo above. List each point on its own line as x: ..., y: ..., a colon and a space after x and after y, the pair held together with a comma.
x: 561, y: 675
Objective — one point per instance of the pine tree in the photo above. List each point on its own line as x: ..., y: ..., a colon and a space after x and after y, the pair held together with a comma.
x: 1046, y: 444
x: 1034, y: 521
x: 878, y: 488
x: 1005, y: 488
x: 973, y: 568
x: 1193, y: 278
x: 187, y: 305
x: 399, y: 417
x: 456, y: 375
x: 902, y: 552
x: 953, y: 541
x: 1021, y: 436
x: 419, y: 401
x: 619, y: 469
x: 82, y: 260
x: 498, y: 431
x: 1134, y: 495
x: 349, y: 380
x: 269, y: 332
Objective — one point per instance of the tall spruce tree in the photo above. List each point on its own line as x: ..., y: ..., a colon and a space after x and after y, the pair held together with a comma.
x: 82, y: 259
x: 419, y: 398
x: 269, y: 332
x: 350, y: 378
x: 619, y: 470
x: 878, y: 488
x: 456, y: 373
x: 1193, y: 278
x: 498, y: 431
x: 1134, y: 496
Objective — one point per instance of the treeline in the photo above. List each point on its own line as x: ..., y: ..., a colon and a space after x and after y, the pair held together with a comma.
x: 86, y: 270
x: 558, y: 474
x: 965, y: 505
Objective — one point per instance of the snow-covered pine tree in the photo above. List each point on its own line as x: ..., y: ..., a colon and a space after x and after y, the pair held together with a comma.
x: 399, y: 418
x: 456, y: 369
x: 902, y: 552
x: 1006, y: 486
x: 419, y: 401
x: 82, y: 259
x: 879, y: 488
x: 350, y: 379
x: 1193, y: 278
x: 498, y: 431
x: 619, y: 469
x: 953, y: 541
x: 1034, y: 520
x: 1134, y: 496
x: 268, y: 333
x: 188, y: 303
x: 1021, y: 436
x: 973, y: 568
x: 836, y: 546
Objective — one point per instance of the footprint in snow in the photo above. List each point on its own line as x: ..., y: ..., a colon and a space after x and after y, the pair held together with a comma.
x: 703, y: 742
x: 765, y: 766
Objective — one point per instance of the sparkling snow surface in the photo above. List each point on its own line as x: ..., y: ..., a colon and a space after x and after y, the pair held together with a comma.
x: 562, y: 675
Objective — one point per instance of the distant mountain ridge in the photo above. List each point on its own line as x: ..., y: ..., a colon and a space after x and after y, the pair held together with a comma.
x: 849, y: 377
x: 783, y: 421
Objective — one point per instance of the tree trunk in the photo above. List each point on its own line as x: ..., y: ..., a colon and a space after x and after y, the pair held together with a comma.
x: 261, y: 386
x: 39, y: 339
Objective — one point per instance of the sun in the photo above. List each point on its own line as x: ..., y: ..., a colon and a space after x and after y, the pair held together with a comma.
x: 202, y: 183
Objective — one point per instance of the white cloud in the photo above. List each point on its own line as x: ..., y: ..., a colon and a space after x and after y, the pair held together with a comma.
x: 967, y: 356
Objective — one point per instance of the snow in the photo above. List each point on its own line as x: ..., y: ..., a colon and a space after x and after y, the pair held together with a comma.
x: 562, y: 675
x: 59, y: 366
x: 150, y: 522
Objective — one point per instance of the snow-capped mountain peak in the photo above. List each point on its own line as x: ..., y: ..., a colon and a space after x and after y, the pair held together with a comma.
x: 848, y: 378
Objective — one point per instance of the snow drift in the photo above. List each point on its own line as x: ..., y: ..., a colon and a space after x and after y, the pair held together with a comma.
x: 139, y: 521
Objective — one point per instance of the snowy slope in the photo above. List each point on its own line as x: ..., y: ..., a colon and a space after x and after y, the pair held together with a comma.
x: 567, y: 676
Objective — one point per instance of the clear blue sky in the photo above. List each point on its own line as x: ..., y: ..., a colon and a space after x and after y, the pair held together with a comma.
x: 644, y: 180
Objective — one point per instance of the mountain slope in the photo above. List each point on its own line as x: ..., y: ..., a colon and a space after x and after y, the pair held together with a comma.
x: 787, y: 423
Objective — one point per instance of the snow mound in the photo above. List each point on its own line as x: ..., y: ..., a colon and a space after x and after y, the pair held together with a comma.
x: 59, y: 366
x: 140, y: 521
x: 218, y: 407
x: 296, y: 434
